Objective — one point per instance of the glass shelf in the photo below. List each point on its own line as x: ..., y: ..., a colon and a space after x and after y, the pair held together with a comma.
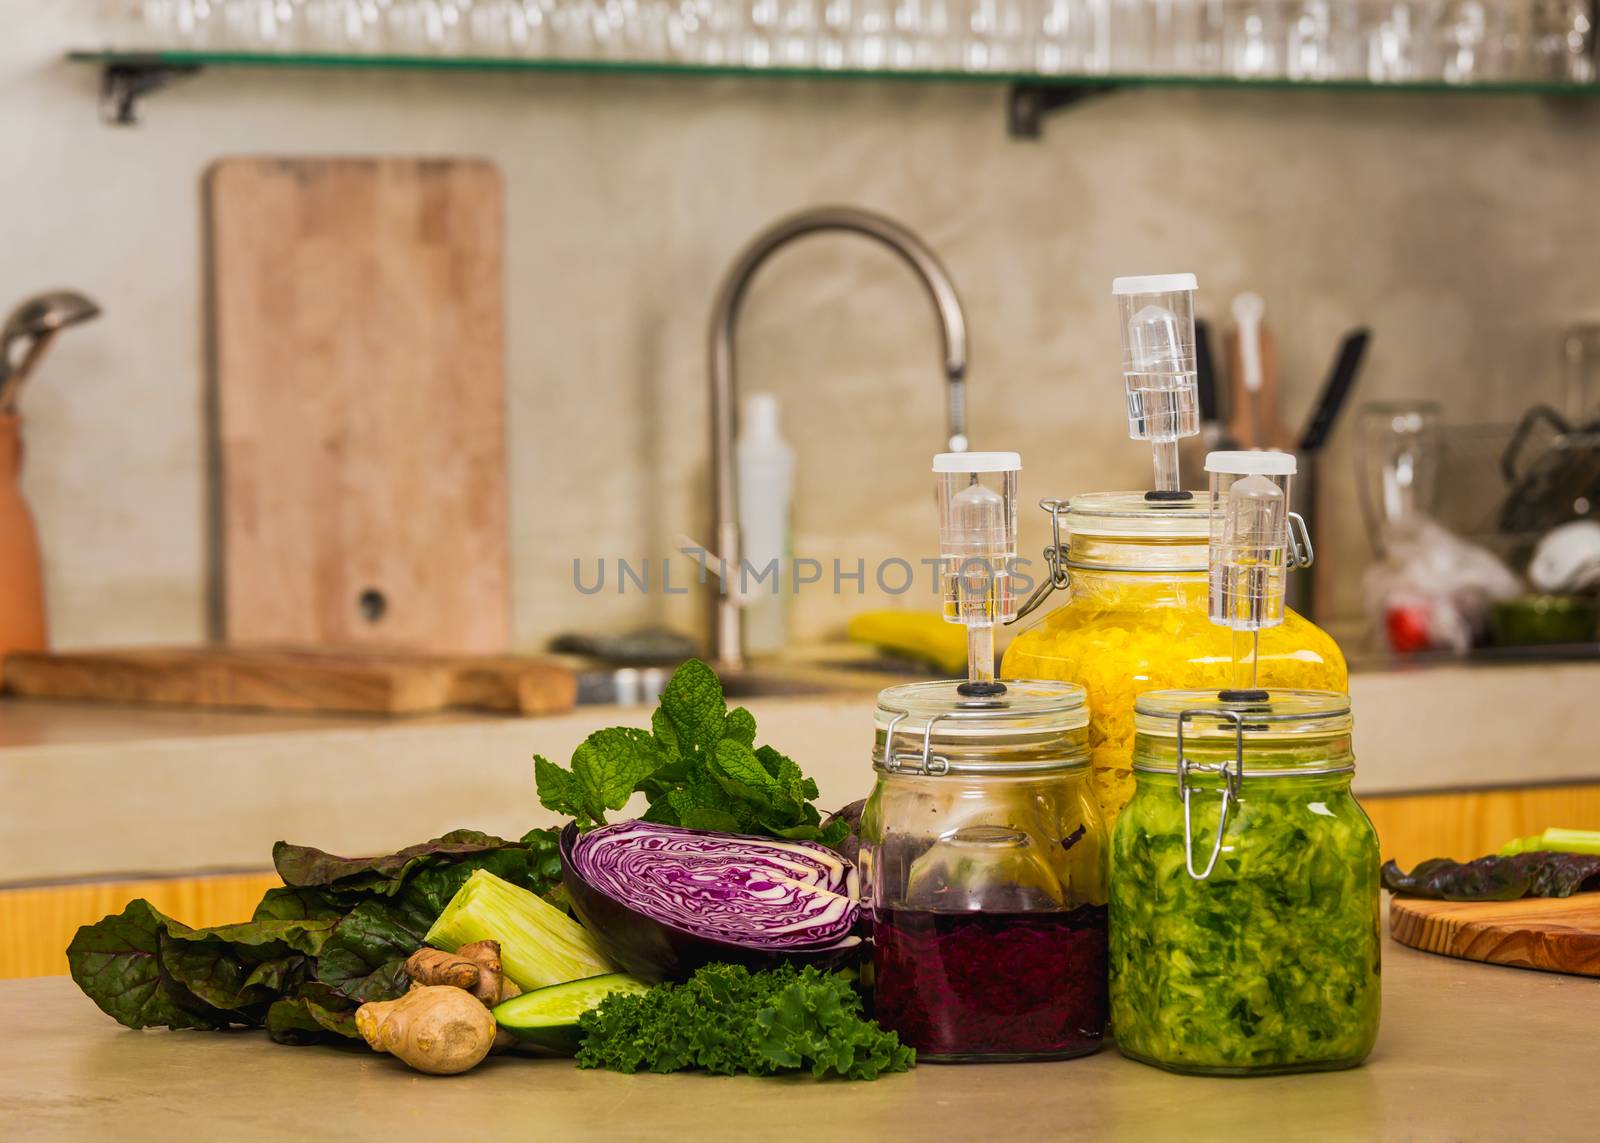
x: 139, y: 72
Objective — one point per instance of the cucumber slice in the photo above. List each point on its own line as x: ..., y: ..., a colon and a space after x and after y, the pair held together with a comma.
x: 548, y: 1017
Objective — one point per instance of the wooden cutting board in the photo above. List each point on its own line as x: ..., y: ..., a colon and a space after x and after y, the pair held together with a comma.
x: 358, y: 332
x: 1554, y: 934
x: 275, y: 679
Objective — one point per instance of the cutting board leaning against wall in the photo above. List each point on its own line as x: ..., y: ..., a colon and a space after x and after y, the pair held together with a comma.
x: 359, y: 331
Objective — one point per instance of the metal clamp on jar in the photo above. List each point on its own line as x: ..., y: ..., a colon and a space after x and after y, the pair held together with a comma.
x: 983, y: 864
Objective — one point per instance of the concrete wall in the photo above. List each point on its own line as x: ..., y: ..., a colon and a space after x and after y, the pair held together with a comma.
x: 1458, y: 228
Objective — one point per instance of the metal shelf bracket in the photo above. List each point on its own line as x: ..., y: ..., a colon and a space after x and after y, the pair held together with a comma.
x: 124, y: 83
x: 1028, y: 103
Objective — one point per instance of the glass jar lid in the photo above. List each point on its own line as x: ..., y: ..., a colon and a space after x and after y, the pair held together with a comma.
x: 1134, y: 531
x: 1183, y: 516
x: 934, y: 728
x: 1273, y: 732
x: 1215, y: 742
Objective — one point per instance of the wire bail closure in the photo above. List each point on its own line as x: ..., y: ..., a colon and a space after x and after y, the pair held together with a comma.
x: 1054, y: 558
x: 1230, y: 790
x: 924, y: 762
x: 1301, y: 554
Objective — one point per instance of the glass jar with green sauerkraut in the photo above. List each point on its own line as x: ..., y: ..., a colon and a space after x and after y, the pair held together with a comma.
x: 1244, y: 888
x: 1135, y: 620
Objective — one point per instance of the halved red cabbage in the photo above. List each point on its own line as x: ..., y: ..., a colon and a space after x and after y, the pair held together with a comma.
x: 662, y: 900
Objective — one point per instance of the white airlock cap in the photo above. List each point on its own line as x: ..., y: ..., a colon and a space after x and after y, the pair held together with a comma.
x: 978, y: 462
x: 1154, y: 284
x: 1253, y: 463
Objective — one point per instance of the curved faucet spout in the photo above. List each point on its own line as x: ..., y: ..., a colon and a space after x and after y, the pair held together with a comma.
x: 728, y: 647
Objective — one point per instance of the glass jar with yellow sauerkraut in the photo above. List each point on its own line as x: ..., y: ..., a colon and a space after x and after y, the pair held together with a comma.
x: 1135, y: 620
x: 1244, y: 888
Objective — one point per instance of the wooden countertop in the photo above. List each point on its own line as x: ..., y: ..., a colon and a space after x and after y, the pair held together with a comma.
x: 1467, y: 1052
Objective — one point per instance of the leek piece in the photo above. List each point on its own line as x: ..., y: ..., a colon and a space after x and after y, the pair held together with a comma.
x: 539, y: 944
x: 1555, y: 840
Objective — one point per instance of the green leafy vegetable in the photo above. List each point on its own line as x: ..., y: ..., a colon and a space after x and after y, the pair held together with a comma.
x: 730, y: 1021
x: 698, y: 766
x: 1536, y: 874
x: 335, y: 935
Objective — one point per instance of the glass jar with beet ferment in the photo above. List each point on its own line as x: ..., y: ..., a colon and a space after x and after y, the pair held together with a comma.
x: 983, y: 865
x: 1244, y: 888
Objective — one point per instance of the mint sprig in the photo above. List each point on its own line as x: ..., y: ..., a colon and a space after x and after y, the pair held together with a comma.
x: 698, y: 766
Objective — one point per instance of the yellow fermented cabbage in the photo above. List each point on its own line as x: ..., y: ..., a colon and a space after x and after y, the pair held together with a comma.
x: 1121, y: 634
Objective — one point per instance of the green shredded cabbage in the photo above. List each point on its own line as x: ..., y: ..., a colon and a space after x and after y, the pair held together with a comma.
x: 1269, y: 965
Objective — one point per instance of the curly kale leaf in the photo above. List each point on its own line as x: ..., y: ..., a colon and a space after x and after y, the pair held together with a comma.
x: 730, y: 1021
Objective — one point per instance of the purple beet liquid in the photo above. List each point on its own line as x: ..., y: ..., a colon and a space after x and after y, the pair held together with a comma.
x: 995, y: 985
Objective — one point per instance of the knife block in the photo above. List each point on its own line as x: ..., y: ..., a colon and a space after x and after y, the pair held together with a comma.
x: 22, y: 620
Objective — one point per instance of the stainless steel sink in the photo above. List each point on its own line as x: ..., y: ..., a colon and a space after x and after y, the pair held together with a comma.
x: 642, y: 686
x: 757, y: 684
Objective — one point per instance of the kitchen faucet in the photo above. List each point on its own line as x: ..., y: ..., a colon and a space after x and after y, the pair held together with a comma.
x: 728, y: 631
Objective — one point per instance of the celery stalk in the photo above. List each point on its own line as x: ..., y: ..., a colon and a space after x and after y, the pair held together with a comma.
x: 1555, y: 840
x: 539, y: 944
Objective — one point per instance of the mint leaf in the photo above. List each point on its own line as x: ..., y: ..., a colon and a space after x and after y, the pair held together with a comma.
x: 693, y: 707
x: 559, y: 791
x: 741, y: 726
x: 717, y: 821
x: 606, y: 768
x: 698, y: 767
x: 738, y: 771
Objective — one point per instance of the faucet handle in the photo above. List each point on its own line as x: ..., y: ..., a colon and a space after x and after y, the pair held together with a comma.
x: 712, y: 564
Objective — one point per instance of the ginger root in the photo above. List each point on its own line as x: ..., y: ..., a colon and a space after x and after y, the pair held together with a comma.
x: 435, y: 966
x: 493, y: 986
x: 436, y: 1029
x: 474, y: 967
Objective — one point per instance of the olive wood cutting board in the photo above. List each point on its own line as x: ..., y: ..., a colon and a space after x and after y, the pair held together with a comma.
x: 1549, y: 933
x: 358, y: 334
x: 280, y: 679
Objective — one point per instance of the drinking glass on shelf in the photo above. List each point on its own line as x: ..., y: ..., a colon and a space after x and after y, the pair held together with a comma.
x: 797, y: 33
x: 1397, y: 451
x: 1562, y: 40
x: 867, y: 39
x: 996, y: 36
x: 907, y: 26
x: 1254, y: 39
x: 759, y: 38
x: 1320, y: 40
x: 644, y: 29
x: 1057, y: 39
x: 1132, y: 23
x: 340, y: 26
x: 1158, y: 35
x: 1202, y: 50
x: 245, y: 25
x: 833, y: 35
x: 1400, y: 39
